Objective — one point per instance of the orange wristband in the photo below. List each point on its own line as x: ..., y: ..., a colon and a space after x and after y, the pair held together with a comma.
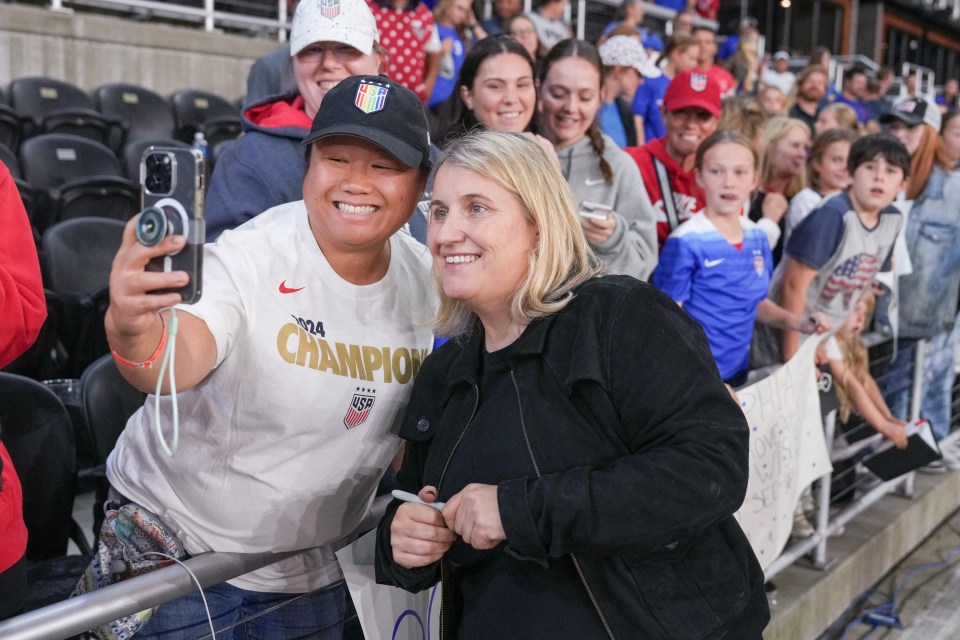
x: 148, y: 363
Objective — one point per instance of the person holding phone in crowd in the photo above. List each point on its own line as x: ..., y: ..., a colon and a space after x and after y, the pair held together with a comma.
x: 598, y: 171
x: 289, y: 380
x: 588, y: 454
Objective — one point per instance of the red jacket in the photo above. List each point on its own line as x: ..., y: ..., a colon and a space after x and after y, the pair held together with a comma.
x: 687, y: 196
x: 22, y: 311
x: 13, y: 533
x: 22, y: 305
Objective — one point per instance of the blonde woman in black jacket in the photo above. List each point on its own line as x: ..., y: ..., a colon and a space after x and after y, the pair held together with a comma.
x: 588, y: 454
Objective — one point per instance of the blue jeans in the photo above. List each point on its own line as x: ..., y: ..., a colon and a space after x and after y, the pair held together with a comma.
x: 937, y: 381
x: 318, y: 615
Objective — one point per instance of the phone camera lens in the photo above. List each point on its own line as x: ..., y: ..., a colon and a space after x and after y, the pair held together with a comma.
x: 159, y: 173
x: 155, y: 224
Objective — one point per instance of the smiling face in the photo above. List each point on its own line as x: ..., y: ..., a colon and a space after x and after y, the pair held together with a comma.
x: 727, y: 176
x: 686, y: 129
x: 832, y: 167
x: 569, y: 100
x: 357, y: 195
x: 790, y: 153
x: 875, y: 184
x: 814, y: 87
x: 503, y: 94
x: 521, y: 28
x: 318, y: 68
x: 480, y: 238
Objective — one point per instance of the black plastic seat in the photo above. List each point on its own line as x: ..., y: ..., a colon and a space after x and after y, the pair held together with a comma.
x: 80, y: 177
x: 39, y: 436
x: 78, y: 255
x: 33, y: 199
x: 143, y: 113
x: 12, y: 126
x: 195, y: 110
x: 60, y: 107
x: 133, y: 153
x: 108, y: 402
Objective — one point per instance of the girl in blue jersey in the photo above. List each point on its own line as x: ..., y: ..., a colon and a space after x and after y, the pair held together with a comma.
x: 717, y: 265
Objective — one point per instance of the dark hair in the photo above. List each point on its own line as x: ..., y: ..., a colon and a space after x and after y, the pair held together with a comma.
x: 726, y: 136
x: 453, y: 119
x: 881, y: 145
x: 854, y: 70
x: 572, y: 48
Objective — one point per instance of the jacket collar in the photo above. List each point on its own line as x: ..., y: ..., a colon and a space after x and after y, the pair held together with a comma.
x: 468, y: 363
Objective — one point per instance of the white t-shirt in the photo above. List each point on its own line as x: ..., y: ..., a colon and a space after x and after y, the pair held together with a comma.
x: 283, y: 444
x: 801, y: 205
x: 783, y: 81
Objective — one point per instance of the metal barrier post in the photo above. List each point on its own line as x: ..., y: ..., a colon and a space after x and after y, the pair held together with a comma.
x: 208, y: 24
x: 916, y: 399
x: 282, y: 19
x: 823, y: 499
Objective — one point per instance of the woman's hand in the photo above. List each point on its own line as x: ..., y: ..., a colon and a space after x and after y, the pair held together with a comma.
x: 475, y: 516
x: 418, y: 534
x: 132, y: 315
x: 774, y: 206
x: 598, y: 231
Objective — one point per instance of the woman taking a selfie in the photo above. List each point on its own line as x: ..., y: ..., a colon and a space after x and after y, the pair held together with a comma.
x: 588, y: 454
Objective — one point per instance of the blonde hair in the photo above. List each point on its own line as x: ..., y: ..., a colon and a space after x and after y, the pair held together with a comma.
x: 562, y: 259
x: 845, y: 115
x: 777, y: 129
x: 743, y: 113
x: 855, y: 356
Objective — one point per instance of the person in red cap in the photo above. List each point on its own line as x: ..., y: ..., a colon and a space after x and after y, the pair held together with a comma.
x: 691, y: 111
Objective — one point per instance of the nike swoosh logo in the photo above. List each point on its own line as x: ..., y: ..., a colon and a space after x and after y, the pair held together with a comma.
x: 712, y: 263
x: 285, y: 289
x: 593, y: 183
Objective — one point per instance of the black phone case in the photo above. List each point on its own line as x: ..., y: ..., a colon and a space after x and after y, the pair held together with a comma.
x: 188, y: 173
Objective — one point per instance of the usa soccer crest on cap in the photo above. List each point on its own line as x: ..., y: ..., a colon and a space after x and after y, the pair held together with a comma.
x: 371, y: 96
x: 330, y: 8
x: 698, y: 81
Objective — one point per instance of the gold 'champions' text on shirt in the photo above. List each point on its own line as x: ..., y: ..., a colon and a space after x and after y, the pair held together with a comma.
x: 299, y: 347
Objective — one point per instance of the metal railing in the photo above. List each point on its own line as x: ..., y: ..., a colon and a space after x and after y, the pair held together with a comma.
x: 829, y: 518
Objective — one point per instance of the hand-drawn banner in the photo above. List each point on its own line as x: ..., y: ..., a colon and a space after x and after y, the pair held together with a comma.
x: 387, y: 613
x: 787, y: 450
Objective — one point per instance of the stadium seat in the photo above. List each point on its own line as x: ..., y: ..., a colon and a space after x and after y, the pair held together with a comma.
x: 78, y: 255
x: 133, y: 153
x: 12, y: 126
x: 81, y: 178
x: 108, y: 402
x: 59, y: 107
x: 33, y: 199
x: 195, y: 110
x: 40, y: 439
x: 143, y: 113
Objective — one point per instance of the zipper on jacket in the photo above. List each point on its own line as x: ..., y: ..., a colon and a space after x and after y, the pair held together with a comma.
x: 476, y: 403
x: 536, y: 468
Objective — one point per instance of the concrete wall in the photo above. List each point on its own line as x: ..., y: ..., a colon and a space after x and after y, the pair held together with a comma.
x: 90, y: 50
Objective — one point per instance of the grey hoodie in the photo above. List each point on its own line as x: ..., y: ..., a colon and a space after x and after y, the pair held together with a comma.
x: 632, y: 249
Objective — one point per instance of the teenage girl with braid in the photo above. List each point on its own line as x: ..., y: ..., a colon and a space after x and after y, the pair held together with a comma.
x: 597, y: 170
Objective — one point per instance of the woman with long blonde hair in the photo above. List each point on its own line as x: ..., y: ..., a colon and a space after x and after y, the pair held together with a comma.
x: 783, y: 174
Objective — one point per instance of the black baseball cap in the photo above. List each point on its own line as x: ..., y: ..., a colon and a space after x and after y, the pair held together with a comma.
x: 914, y: 111
x: 379, y: 110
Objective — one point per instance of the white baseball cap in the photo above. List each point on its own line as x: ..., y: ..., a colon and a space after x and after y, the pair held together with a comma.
x: 625, y: 51
x: 348, y: 21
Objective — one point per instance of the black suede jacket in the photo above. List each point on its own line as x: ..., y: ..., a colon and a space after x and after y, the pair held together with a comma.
x: 641, y: 457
